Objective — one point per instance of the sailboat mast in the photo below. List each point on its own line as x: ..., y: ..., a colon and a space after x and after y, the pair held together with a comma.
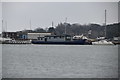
x: 65, y: 24
x: 2, y: 29
x: 105, y: 21
x: 6, y: 25
x: 30, y: 24
x: 52, y: 24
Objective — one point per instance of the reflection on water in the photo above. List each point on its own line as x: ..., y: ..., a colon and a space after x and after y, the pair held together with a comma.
x: 60, y: 61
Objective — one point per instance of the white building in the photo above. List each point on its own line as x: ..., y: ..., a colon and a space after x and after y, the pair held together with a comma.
x: 36, y: 35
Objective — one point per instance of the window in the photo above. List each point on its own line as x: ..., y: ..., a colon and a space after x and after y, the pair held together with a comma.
x: 41, y: 38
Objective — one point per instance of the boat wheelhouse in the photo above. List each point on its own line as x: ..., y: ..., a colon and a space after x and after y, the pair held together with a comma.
x: 57, y: 38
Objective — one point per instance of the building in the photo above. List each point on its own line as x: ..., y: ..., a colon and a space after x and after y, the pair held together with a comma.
x: 15, y: 35
x: 23, y: 35
x: 36, y: 35
x: 12, y: 35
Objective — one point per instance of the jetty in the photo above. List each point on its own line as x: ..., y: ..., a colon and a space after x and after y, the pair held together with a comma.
x: 17, y: 42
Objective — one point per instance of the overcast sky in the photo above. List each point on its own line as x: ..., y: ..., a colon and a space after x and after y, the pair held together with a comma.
x: 17, y: 15
x: 0, y: 17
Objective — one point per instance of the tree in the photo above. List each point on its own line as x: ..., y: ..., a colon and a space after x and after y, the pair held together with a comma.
x: 51, y: 30
x: 39, y: 30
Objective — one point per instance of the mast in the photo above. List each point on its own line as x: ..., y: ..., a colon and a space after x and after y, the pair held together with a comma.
x: 52, y: 24
x: 2, y: 29
x: 6, y: 25
x: 105, y: 21
x: 30, y: 24
x: 65, y: 24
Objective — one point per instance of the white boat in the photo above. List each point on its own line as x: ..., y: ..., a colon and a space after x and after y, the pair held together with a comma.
x: 4, y: 39
x: 80, y: 37
x: 102, y: 42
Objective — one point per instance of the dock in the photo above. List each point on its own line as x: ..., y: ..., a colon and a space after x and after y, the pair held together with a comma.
x: 17, y: 42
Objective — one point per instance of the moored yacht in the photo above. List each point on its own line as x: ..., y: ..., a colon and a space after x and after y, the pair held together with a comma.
x: 102, y: 42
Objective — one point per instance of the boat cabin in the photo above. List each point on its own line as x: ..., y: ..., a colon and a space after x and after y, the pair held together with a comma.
x: 55, y: 38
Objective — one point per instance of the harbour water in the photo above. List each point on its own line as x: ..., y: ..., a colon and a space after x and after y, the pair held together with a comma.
x: 0, y: 61
x: 59, y: 61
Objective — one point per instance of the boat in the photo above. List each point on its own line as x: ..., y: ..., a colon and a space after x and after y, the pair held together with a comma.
x: 102, y: 42
x: 4, y: 40
x: 79, y: 42
x: 62, y: 39
x: 55, y: 39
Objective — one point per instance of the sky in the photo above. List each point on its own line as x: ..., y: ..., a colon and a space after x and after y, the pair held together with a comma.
x: 0, y: 17
x: 17, y: 15
x: 119, y: 12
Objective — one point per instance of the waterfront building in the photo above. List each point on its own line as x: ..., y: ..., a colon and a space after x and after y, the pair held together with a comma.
x: 22, y: 35
x: 12, y: 35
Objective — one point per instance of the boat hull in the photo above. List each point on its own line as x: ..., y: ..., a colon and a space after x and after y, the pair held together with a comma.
x: 80, y: 42
x: 102, y: 42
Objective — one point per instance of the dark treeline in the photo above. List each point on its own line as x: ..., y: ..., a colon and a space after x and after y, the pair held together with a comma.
x: 91, y: 30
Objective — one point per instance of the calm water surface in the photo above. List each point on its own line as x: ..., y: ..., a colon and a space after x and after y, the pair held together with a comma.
x: 0, y: 61
x: 59, y: 61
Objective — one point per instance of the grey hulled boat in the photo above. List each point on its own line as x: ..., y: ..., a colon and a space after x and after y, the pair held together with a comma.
x: 60, y: 39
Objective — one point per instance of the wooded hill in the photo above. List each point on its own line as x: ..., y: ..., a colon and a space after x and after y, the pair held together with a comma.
x: 90, y: 30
